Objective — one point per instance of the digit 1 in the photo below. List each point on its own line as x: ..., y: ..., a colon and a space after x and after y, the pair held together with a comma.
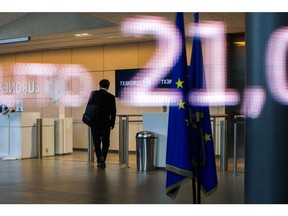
x: 216, y: 94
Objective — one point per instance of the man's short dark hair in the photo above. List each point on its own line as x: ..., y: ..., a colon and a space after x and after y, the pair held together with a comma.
x: 104, y: 83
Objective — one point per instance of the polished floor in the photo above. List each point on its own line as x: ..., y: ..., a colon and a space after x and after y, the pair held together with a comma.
x: 67, y: 179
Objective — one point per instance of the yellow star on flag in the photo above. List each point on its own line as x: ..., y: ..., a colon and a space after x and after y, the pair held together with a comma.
x: 181, y: 105
x: 179, y: 83
x: 207, y: 137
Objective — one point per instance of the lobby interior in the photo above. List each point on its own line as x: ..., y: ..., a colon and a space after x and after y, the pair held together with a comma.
x: 67, y: 179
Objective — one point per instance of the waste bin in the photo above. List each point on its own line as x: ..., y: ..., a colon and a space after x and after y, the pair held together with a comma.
x: 145, y: 141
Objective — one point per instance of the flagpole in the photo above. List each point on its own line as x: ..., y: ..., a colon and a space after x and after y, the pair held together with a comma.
x: 193, y: 166
x: 202, y: 169
x: 193, y: 183
x: 198, y: 157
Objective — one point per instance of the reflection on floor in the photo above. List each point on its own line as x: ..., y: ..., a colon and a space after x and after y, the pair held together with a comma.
x: 67, y: 179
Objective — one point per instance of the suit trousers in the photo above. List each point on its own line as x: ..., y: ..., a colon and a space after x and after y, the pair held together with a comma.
x: 101, y: 136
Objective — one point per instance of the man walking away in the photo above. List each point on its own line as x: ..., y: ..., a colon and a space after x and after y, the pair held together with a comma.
x: 106, y: 121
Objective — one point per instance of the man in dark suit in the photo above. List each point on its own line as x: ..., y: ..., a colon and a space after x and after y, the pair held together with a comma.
x: 101, y: 129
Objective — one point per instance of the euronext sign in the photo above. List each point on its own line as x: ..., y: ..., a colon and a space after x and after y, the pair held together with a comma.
x: 26, y: 87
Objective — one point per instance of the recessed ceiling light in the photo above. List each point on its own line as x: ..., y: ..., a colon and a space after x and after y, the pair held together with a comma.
x: 82, y: 35
x: 239, y: 43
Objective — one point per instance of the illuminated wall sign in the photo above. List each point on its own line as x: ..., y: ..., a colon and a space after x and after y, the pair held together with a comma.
x: 123, y: 78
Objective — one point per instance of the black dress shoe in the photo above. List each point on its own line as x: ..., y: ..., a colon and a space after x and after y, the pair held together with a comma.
x: 102, y: 163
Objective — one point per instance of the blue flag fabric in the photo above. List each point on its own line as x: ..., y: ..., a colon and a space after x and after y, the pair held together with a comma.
x: 182, y: 143
x: 178, y: 156
x: 203, y: 148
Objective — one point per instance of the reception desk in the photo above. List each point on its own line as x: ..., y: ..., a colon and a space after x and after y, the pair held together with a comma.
x: 22, y: 135
x: 157, y: 123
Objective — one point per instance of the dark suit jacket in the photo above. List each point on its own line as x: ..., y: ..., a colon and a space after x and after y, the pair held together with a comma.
x: 107, y: 104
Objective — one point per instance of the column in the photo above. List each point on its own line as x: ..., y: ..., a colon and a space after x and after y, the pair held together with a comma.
x: 266, y: 150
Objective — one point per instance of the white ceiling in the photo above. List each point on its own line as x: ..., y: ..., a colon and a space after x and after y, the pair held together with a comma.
x: 44, y: 35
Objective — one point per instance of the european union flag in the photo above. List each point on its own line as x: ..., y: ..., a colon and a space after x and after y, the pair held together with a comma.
x: 179, y: 149
x: 190, y: 149
x: 203, y: 147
